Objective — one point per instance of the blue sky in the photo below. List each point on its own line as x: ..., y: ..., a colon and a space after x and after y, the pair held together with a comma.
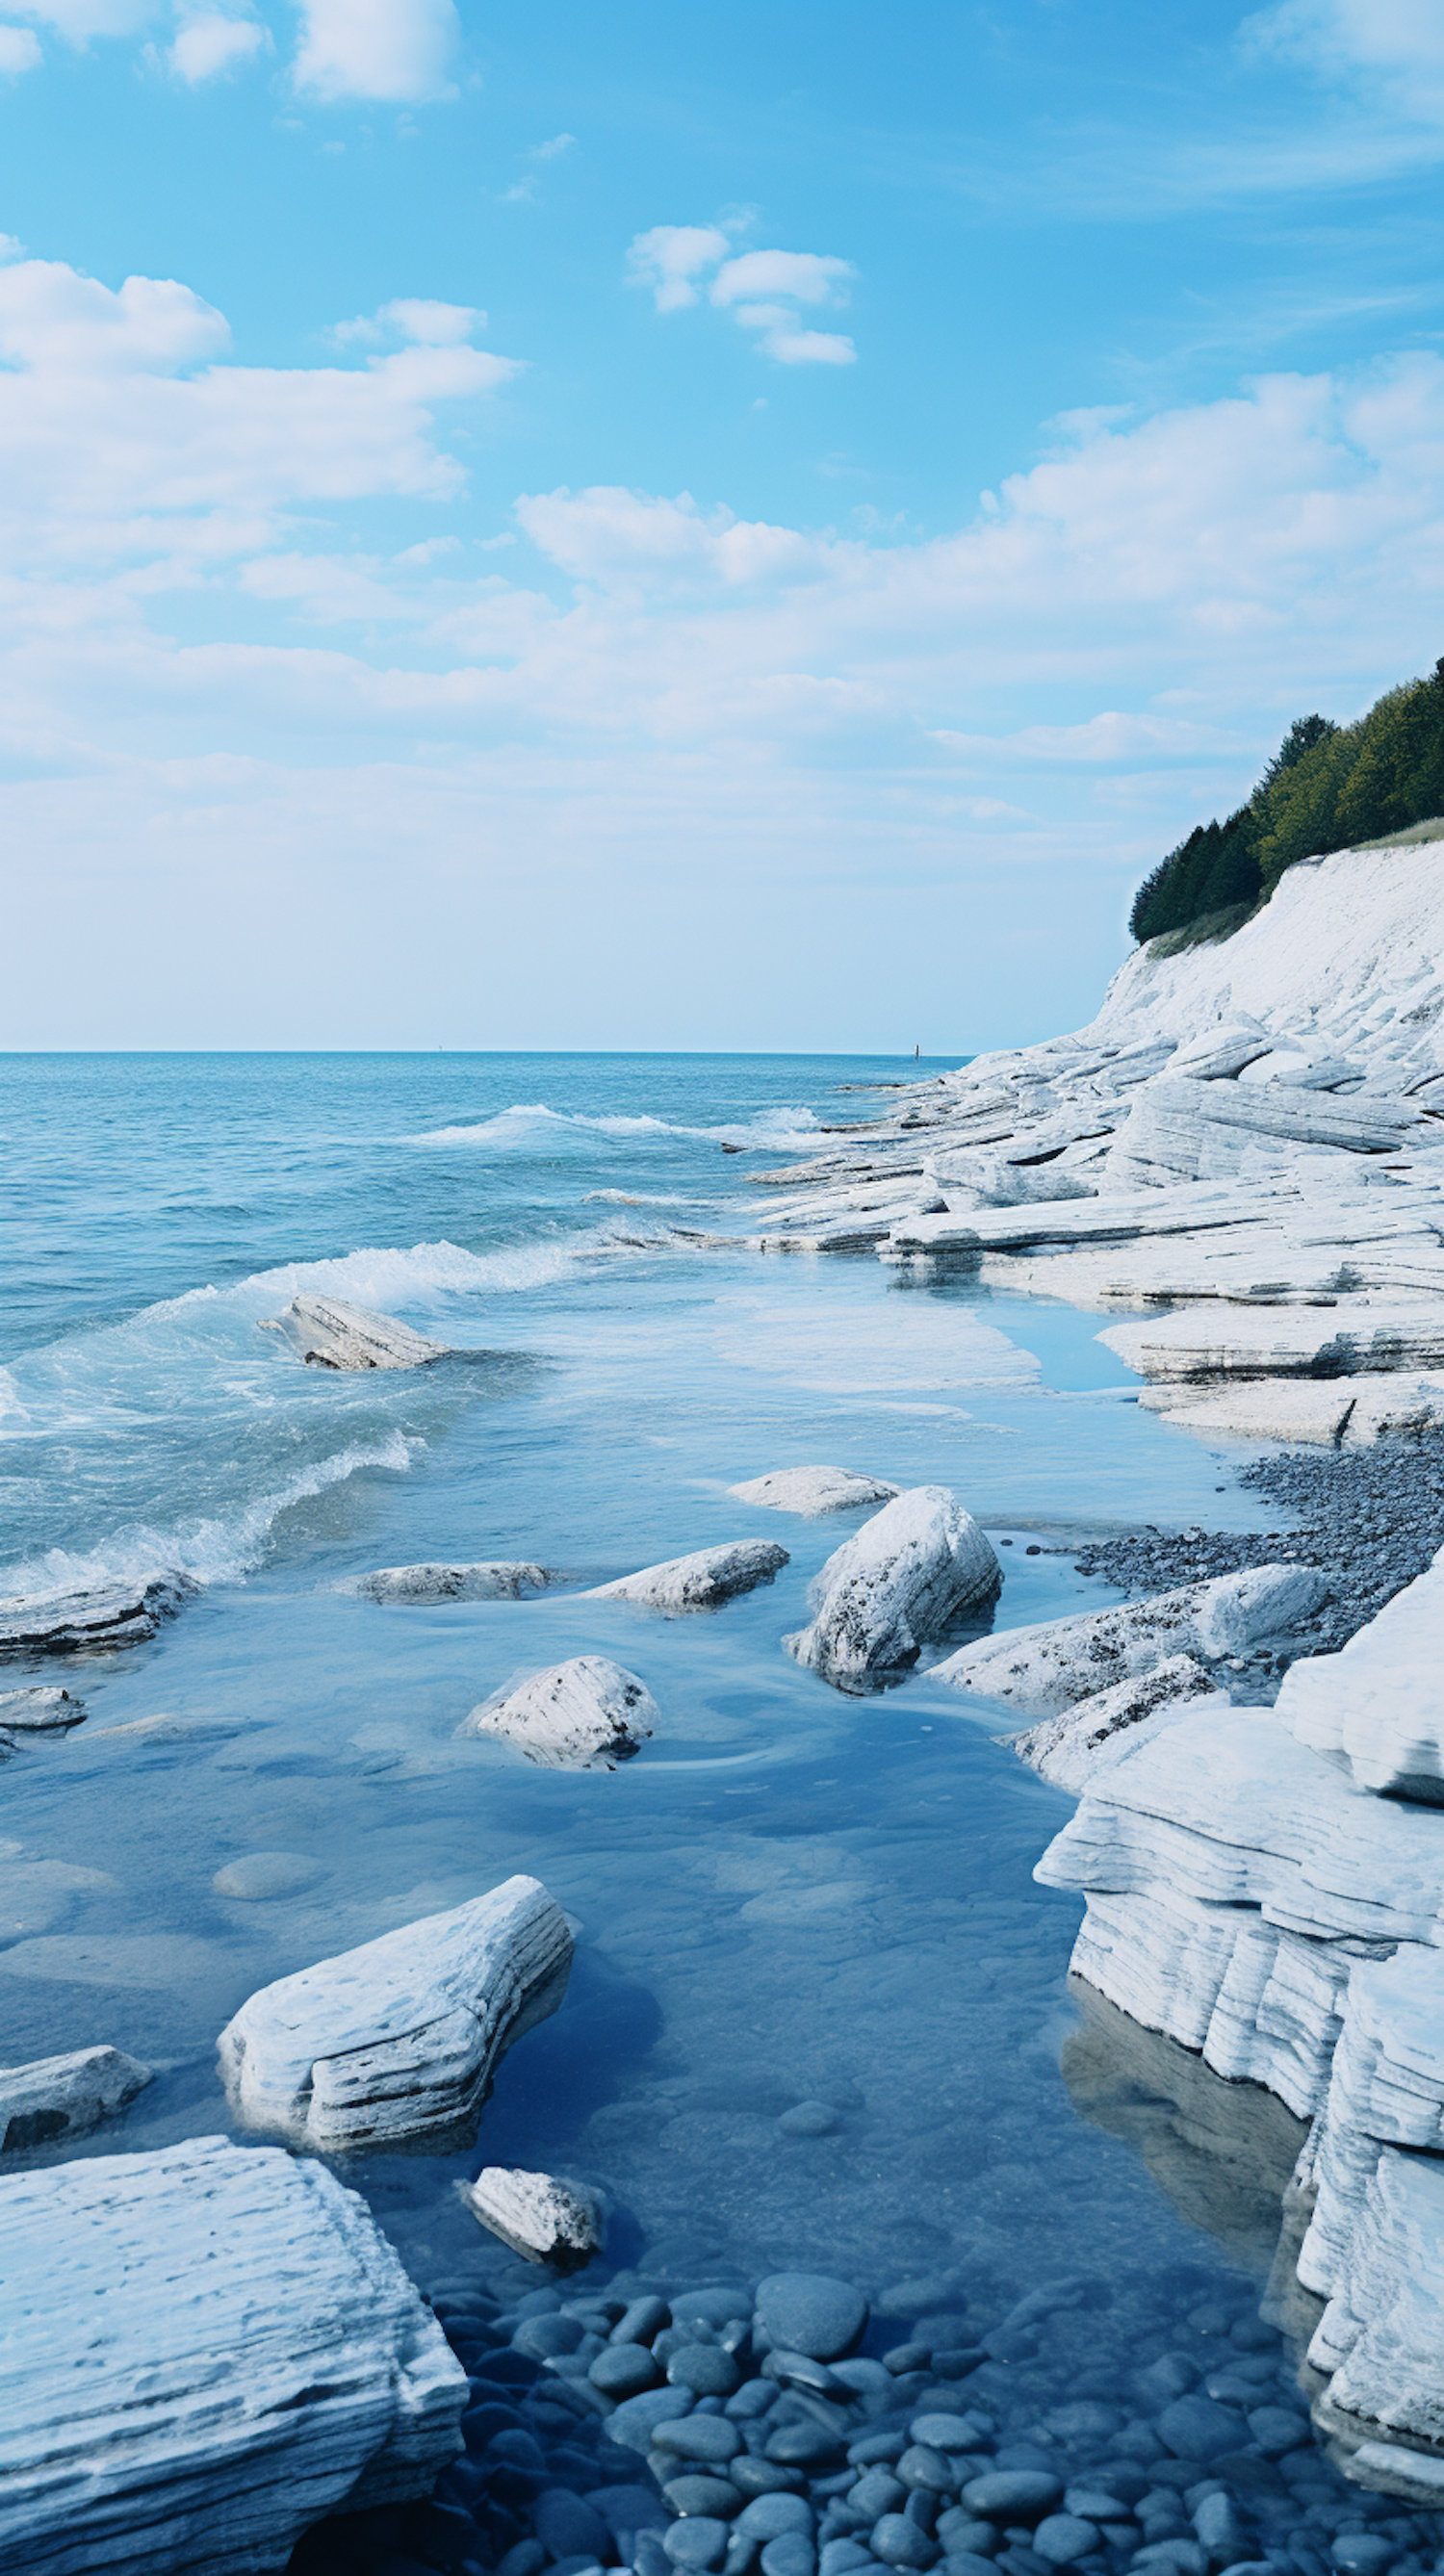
x: 658, y: 528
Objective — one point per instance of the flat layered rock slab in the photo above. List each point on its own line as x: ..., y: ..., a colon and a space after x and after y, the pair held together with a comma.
x: 328, y: 1333
x: 208, y: 2348
x: 587, y: 1714
x: 1378, y: 1705
x: 702, y: 1581
x: 74, y: 1623
x: 1345, y: 1338
x: 1054, y: 1664
x: 42, y: 1710
x: 494, y: 1579
x: 399, y: 2038
x: 62, y: 2097
x: 1068, y: 1749
x: 1344, y: 1412
x: 898, y: 1584
x: 814, y: 1492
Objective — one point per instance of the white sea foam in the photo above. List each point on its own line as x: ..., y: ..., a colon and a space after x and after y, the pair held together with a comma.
x: 200, y: 1552
x: 518, y: 1126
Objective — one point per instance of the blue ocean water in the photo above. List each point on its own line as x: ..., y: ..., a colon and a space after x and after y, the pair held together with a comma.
x: 788, y: 1896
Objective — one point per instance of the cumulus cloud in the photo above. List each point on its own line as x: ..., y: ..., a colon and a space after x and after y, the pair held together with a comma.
x: 210, y: 44
x: 378, y: 49
x: 673, y: 259
x: 1398, y: 44
x: 19, y: 52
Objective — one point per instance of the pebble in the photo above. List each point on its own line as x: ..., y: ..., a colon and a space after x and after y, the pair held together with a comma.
x: 699, y: 2541
x: 1197, y: 2429
x: 1363, y: 2553
x: 712, y: 2307
x: 921, y: 2466
x: 791, y: 2554
x: 944, y: 2432
x: 899, y: 2543
x: 803, y: 2446
x: 765, y: 2477
x: 840, y: 2557
x: 641, y: 2320
x: 543, y: 2338
x: 623, y: 2370
x: 636, y: 2419
x: 698, y: 2437
x: 808, y: 2120
x: 811, y: 2313
x: 878, y: 2492
x: 567, y: 2527
x: 1012, y: 2495
x: 962, y: 2534
x: 1064, y: 2538
x: 716, y: 2496
x: 705, y: 2369
x: 767, y: 2517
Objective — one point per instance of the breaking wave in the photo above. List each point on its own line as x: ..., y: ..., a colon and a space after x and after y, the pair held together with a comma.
x: 527, y: 1120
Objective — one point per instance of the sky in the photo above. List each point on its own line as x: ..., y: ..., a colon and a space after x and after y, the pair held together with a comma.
x: 667, y: 528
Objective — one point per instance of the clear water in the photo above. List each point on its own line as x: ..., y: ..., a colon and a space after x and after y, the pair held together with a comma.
x: 788, y: 1896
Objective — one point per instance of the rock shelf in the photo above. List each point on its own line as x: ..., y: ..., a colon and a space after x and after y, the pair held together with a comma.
x: 207, y: 2349
x: 327, y: 1333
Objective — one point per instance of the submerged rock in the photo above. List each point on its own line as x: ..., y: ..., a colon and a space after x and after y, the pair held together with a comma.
x: 1067, y: 1749
x: 89, y: 1622
x: 545, y: 2220
x: 587, y: 1714
x: 1061, y: 1661
x: 399, y: 2039
x: 44, y: 1710
x: 327, y: 1333
x: 61, y: 2097
x: 813, y: 1492
x: 898, y: 1584
x: 209, y: 2348
x: 699, y: 1582
x: 494, y: 1580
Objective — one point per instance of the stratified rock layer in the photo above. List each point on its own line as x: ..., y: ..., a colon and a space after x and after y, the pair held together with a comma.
x: 207, y: 2349
x: 813, y: 1492
x: 702, y: 1581
x: 398, y: 2039
x: 1068, y: 1749
x: 545, y: 2220
x: 496, y: 1579
x: 1063, y: 1660
x: 1378, y: 1705
x: 61, y: 2097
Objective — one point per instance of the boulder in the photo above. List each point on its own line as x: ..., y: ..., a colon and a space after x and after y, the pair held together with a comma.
x: 208, y: 2348
x: 1347, y: 1412
x: 398, y: 2039
x: 60, y: 2097
x: 1060, y: 1661
x: 1378, y: 1705
x: 587, y: 1714
x: 545, y: 2220
x: 699, y: 1582
x: 42, y: 1710
x: 327, y: 1333
x: 813, y: 1492
x: 1067, y: 1749
x: 898, y: 1584
x: 65, y: 1623
x: 494, y: 1580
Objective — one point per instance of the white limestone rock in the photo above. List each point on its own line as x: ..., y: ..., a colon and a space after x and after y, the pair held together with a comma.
x: 898, y: 1584
x: 1067, y: 1749
x: 1060, y: 1661
x: 398, y: 2039
x: 813, y: 1492
x: 1378, y: 1705
x: 702, y: 1581
x: 587, y: 1714
x: 208, y: 2349
x: 327, y: 1333
x: 1341, y: 1412
x: 1183, y: 1130
x: 1381, y: 2335
x: 1259, y: 2004
x: 89, y: 1622
x: 1228, y: 1808
x: 1345, y: 1338
x: 1386, y: 2089
x: 45, y: 1709
x: 61, y: 2097
x: 540, y: 2218
x: 1219, y: 1053
x: 494, y: 1580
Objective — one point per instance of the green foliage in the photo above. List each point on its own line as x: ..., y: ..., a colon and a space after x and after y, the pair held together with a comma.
x: 1328, y: 787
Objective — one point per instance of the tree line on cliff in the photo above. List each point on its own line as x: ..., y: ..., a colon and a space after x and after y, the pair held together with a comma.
x: 1328, y: 787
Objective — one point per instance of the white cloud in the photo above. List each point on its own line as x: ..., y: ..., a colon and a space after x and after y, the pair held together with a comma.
x: 78, y: 20
x: 672, y: 258
x: 553, y: 148
x: 379, y: 49
x: 209, y: 44
x: 19, y: 52
x: 1396, y: 44
x: 653, y: 693
x: 418, y: 317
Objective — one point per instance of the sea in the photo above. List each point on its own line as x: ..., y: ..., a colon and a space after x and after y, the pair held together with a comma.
x: 790, y: 1900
